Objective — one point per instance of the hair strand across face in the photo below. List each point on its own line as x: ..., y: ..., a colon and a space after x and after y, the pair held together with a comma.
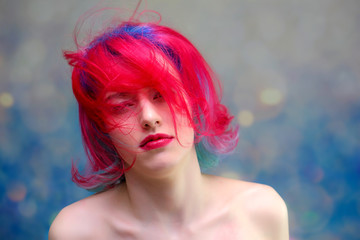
x: 132, y: 56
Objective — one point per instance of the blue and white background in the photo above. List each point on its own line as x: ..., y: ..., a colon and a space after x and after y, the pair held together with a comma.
x: 291, y: 75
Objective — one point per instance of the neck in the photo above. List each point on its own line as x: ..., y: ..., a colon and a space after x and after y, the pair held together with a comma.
x: 176, y: 197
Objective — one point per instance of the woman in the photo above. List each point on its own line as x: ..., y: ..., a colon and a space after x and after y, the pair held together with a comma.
x: 150, y: 115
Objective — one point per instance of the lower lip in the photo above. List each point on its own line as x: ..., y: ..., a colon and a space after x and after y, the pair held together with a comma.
x: 157, y: 144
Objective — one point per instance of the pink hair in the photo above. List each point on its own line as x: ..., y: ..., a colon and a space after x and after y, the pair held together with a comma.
x: 126, y: 58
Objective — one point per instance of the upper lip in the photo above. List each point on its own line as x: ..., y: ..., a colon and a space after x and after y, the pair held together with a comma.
x: 154, y: 137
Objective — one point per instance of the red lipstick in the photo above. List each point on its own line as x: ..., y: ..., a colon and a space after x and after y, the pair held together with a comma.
x: 155, y: 141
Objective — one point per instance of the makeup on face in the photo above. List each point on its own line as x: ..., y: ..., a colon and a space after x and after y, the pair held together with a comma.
x: 155, y: 141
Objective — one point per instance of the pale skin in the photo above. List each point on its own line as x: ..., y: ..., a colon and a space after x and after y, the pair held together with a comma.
x: 165, y: 195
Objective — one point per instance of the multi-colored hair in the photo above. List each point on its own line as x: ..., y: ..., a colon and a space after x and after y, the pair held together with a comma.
x: 126, y: 58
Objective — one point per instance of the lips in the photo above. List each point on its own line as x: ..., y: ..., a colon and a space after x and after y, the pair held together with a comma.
x: 155, y: 141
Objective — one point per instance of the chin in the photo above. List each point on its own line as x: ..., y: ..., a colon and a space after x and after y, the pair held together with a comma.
x: 160, y: 162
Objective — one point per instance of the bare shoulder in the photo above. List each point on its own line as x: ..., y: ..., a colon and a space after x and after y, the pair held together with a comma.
x: 80, y: 220
x: 72, y: 222
x: 264, y: 204
x: 265, y: 209
x: 261, y: 205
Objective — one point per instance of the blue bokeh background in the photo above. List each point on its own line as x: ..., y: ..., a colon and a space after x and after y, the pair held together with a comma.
x: 291, y: 75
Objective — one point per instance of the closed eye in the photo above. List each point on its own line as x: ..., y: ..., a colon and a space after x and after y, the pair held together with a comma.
x: 123, y: 107
x: 157, y: 96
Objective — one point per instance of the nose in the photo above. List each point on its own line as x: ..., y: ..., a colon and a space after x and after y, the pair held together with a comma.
x: 149, y: 115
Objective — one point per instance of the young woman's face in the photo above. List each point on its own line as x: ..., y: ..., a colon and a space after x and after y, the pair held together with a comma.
x: 142, y: 128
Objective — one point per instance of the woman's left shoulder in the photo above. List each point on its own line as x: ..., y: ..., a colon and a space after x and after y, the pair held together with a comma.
x: 247, y: 190
x: 261, y: 200
x: 265, y: 208
x: 260, y: 204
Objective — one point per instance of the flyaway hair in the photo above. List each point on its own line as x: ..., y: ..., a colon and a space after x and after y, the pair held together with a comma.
x: 131, y: 56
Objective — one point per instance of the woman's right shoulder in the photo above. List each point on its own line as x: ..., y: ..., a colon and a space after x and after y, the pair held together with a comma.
x: 79, y: 220
x: 73, y: 222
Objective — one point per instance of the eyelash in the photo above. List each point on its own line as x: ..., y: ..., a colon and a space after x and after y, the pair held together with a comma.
x: 157, y: 96
x: 122, y: 108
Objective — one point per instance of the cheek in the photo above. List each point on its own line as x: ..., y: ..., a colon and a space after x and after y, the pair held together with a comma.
x: 124, y: 134
x: 186, y: 137
x: 121, y: 125
x: 185, y: 131
x: 125, y: 144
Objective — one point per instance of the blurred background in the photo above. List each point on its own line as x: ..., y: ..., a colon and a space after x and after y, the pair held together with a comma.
x: 291, y: 76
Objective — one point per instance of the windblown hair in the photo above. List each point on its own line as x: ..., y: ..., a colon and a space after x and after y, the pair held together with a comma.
x: 126, y: 58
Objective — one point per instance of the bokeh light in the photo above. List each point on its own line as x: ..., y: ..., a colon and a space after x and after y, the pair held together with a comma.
x: 27, y: 208
x: 6, y: 99
x: 16, y: 192
x: 271, y: 96
x: 245, y: 118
